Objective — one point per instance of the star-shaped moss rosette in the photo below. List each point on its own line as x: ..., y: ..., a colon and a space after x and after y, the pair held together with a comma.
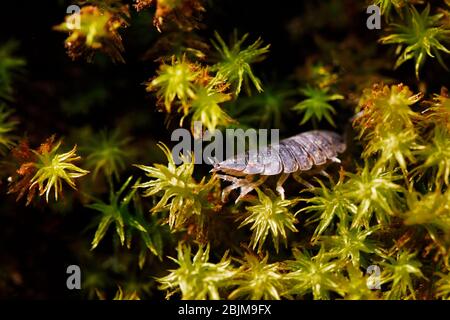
x: 196, y: 278
x: 206, y: 109
x: 400, y: 270
x: 315, y: 274
x: 234, y: 62
x: 174, y: 83
x: 178, y: 192
x: 98, y: 30
x: 317, y: 105
x: 386, y: 123
x: 124, y: 212
x: 258, y: 279
x: 107, y: 153
x: 44, y: 169
x: 190, y: 89
x: 270, y: 215
x: 421, y: 35
x: 387, y: 6
x: 184, y: 14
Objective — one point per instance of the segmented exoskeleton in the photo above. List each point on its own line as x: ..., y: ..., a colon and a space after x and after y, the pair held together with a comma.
x: 302, y: 152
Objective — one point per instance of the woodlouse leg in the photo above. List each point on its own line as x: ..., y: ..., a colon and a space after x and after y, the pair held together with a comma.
x: 302, y: 181
x: 245, y: 189
x: 236, y: 184
x: 280, y: 182
x: 228, y: 178
x: 325, y: 174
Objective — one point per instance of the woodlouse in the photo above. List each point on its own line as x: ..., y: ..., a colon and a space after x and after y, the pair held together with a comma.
x: 300, y: 153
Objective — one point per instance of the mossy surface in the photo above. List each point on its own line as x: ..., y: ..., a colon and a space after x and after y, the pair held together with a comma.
x: 87, y: 176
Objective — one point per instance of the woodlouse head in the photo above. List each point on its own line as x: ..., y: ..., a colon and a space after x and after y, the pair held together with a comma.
x: 233, y: 166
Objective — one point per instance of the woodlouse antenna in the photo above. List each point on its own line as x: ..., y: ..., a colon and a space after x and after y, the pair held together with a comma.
x: 215, y: 162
